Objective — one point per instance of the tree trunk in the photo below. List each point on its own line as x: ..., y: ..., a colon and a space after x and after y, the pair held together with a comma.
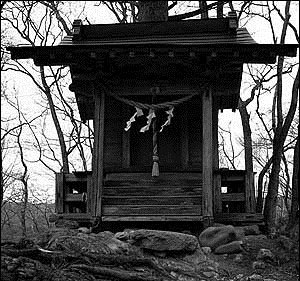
x: 260, y: 199
x: 271, y: 198
x: 63, y: 148
x: 248, y: 156
x: 295, y: 186
x: 153, y: 11
x: 203, y: 8
x: 280, y: 131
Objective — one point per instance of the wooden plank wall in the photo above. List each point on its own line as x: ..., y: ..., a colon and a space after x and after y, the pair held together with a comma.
x: 133, y: 195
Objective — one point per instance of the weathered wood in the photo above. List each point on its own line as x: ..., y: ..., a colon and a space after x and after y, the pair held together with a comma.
x: 153, y: 191
x: 151, y: 200
x: 239, y: 217
x: 75, y: 197
x: 98, y: 154
x: 207, y: 154
x: 121, y: 210
x: 59, y: 193
x: 161, y: 218
x: 77, y: 216
x: 233, y: 197
x: 217, y: 194
x: 163, y: 177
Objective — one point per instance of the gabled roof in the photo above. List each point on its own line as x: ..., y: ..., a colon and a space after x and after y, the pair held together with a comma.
x: 115, y: 50
x: 204, y: 36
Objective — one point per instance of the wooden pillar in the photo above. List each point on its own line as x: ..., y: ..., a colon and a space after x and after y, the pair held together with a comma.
x: 217, y: 203
x: 96, y: 194
x: 207, y: 154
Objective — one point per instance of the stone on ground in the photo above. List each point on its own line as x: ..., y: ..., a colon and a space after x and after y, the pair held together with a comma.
x: 214, y: 237
x: 233, y: 247
x: 162, y: 241
x: 265, y: 255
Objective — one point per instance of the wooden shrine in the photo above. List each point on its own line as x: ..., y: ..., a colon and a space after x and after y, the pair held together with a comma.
x: 153, y: 91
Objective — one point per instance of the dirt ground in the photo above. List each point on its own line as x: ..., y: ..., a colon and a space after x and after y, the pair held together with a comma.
x: 285, y: 266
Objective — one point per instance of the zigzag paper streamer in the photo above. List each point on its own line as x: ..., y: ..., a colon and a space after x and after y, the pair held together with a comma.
x: 138, y: 113
x: 150, y: 116
x: 168, y: 122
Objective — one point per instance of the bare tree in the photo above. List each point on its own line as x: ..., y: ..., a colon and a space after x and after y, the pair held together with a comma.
x: 281, y: 127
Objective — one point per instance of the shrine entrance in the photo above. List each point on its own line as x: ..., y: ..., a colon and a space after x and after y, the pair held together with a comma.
x: 169, y: 147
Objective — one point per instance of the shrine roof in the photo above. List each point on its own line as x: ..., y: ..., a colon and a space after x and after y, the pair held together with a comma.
x: 203, y: 35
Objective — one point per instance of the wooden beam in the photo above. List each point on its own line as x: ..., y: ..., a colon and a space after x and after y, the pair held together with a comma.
x: 207, y: 154
x: 96, y: 204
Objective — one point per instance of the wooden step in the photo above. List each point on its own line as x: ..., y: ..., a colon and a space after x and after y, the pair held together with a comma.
x: 153, y: 218
x: 145, y: 210
x: 152, y: 191
x: 152, y: 200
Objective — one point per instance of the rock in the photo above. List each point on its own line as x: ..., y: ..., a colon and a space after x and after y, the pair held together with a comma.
x: 210, y: 274
x: 248, y: 229
x: 238, y: 258
x: 230, y: 248
x: 214, y: 237
x: 206, y: 250
x: 265, y: 255
x: 101, y: 243
x: 258, y: 265
x: 197, y: 257
x: 255, y: 277
x: 157, y: 240
x: 240, y: 233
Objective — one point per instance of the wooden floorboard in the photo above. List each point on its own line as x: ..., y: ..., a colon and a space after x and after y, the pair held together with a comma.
x: 148, y: 210
x: 152, y: 200
x: 160, y: 218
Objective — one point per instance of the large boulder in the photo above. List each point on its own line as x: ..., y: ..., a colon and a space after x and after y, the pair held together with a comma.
x: 214, y: 237
x: 161, y: 241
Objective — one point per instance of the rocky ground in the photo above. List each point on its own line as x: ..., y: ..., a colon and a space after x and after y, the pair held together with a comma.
x: 219, y: 253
